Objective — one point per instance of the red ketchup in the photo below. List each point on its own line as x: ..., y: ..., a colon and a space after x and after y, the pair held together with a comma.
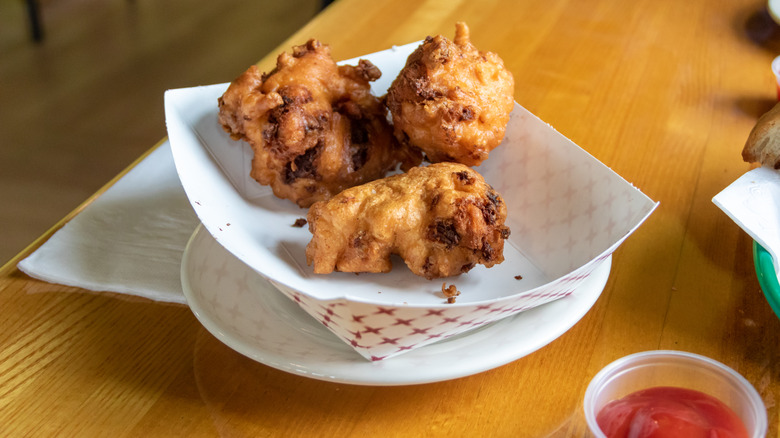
x: 669, y: 412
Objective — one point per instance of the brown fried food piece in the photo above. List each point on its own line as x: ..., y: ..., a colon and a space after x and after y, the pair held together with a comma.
x: 442, y: 220
x: 314, y: 126
x: 763, y: 143
x: 451, y: 100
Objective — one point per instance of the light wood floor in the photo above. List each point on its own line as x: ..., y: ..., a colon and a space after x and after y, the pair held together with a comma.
x: 81, y: 105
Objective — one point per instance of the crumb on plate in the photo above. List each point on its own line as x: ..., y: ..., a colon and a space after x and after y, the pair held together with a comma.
x: 299, y: 223
x: 450, y: 292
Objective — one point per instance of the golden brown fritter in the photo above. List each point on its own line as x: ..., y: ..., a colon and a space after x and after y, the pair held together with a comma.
x: 451, y: 100
x: 442, y: 220
x: 314, y: 126
x: 763, y: 143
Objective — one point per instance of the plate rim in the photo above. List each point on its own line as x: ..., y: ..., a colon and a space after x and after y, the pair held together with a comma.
x: 773, y: 8
x: 371, y: 372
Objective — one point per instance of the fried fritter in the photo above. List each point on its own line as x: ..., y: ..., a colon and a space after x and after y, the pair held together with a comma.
x: 763, y: 143
x: 314, y: 126
x: 442, y: 220
x: 451, y: 100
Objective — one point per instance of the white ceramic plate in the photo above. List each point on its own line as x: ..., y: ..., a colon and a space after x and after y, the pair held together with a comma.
x: 773, y: 7
x: 244, y: 311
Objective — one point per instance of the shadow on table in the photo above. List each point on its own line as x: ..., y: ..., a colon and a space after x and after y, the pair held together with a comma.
x: 758, y: 27
x: 246, y: 398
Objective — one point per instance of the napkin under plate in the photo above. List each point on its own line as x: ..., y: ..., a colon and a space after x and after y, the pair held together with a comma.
x: 129, y: 240
x: 753, y: 203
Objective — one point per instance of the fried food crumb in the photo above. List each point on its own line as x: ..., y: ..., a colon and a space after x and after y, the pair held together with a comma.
x: 518, y: 277
x: 450, y: 292
x: 299, y: 223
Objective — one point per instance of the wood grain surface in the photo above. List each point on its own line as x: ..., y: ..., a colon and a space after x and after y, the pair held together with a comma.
x: 664, y: 92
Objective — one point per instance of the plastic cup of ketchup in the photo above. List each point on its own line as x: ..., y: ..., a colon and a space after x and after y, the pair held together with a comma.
x: 668, y: 394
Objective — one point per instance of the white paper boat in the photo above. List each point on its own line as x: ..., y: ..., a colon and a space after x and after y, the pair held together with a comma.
x: 566, y: 210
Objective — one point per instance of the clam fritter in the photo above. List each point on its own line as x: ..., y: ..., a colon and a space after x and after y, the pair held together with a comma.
x: 314, y: 126
x: 451, y: 100
x: 442, y: 220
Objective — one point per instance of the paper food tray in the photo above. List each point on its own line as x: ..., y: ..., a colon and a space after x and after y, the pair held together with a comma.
x: 567, y: 213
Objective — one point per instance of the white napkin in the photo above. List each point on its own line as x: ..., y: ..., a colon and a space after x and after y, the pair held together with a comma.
x: 753, y: 203
x: 129, y: 240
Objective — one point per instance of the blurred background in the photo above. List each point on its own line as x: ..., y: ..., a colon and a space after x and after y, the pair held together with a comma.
x: 86, y: 100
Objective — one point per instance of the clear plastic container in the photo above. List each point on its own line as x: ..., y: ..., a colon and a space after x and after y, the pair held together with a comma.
x: 680, y: 369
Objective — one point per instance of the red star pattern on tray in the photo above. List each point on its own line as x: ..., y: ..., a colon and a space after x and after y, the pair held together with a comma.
x: 381, y: 332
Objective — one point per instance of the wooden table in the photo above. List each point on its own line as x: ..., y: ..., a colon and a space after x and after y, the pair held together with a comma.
x: 662, y: 91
